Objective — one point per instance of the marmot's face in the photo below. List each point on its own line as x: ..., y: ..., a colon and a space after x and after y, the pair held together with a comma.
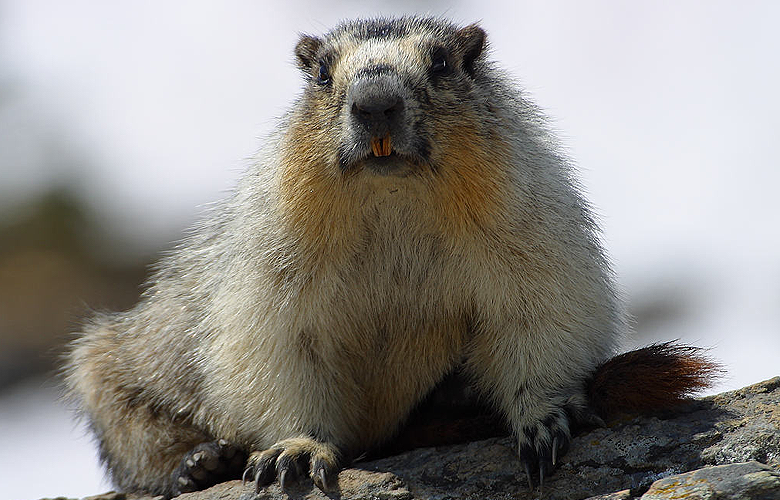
x: 390, y: 96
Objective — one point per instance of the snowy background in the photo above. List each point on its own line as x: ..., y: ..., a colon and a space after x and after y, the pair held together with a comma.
x: 670, y: 109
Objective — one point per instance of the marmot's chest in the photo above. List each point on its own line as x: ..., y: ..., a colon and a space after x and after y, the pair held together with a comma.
x: 407, y: 357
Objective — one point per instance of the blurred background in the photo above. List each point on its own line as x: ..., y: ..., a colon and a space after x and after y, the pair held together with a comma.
x: 119, y: 119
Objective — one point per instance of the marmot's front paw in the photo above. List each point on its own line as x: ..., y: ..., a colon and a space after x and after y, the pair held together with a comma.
x: 540, y: 443
x: 545, y: 436
x: 206, y: 465
x: 289, y: 458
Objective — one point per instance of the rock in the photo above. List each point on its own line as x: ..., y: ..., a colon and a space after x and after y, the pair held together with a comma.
x: 111, y: 495
x: 724, y: 446
x: 744, y: 480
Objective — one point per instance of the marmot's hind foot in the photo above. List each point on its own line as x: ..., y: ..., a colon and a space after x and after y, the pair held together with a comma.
x: 290, y: 458
x: 208, y: 464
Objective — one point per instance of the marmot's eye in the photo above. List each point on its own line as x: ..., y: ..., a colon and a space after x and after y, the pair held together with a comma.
x: 323, y: 76
x: 439, y: 64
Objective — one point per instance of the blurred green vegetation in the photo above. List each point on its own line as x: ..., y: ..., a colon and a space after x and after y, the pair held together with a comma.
x: 55, y: 265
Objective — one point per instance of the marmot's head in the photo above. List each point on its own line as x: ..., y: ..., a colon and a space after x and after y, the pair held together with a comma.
x: 404, y: 116
x: 393, y: 96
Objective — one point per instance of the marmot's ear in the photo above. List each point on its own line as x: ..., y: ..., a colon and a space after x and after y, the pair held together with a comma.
x: 306, y: 51
x: 469, y: 43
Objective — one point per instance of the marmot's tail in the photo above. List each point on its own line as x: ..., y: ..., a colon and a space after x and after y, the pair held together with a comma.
x: 651, y: 378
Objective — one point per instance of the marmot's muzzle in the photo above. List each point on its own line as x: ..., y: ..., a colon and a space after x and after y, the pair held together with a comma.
x: 376, y: 104
x: 380, y: 127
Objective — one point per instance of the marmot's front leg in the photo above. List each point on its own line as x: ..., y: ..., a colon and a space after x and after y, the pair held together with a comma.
x: 536, y: 380
x: 290, y: 458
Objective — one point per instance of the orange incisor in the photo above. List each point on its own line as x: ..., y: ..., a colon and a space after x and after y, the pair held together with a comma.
x: 381, y: 146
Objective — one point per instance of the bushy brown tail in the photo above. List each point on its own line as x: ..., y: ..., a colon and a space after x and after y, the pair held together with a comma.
x: 652, y: 378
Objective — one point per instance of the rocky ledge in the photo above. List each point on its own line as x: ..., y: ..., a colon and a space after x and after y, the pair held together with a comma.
x: 719, y: 447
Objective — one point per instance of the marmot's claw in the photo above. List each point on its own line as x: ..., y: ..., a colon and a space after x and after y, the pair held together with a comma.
x: 320, y: 480
x: 184, y: 485
x: 540, y: 444
x: 226, y: 449
x: 322, y: 470
x: 264, y: 467
x: 206, y: 465
x: 287, y: 460
x: 282, y: 476
x: 528, y: 475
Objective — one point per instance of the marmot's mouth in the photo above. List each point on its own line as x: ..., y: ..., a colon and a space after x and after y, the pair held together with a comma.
x: 382, y: 153
x: 380, y: 146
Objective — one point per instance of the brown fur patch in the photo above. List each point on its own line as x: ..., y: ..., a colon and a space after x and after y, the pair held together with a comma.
x: 472, y: 179
x: 317, y: 199
x: 390, y: 390
x: 321, y: 201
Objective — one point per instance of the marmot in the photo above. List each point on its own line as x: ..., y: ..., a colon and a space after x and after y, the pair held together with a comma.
x: 410, y: 216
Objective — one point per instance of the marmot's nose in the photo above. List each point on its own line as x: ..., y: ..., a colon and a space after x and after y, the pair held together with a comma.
x: 377, y: 109
x: 376, y: 106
